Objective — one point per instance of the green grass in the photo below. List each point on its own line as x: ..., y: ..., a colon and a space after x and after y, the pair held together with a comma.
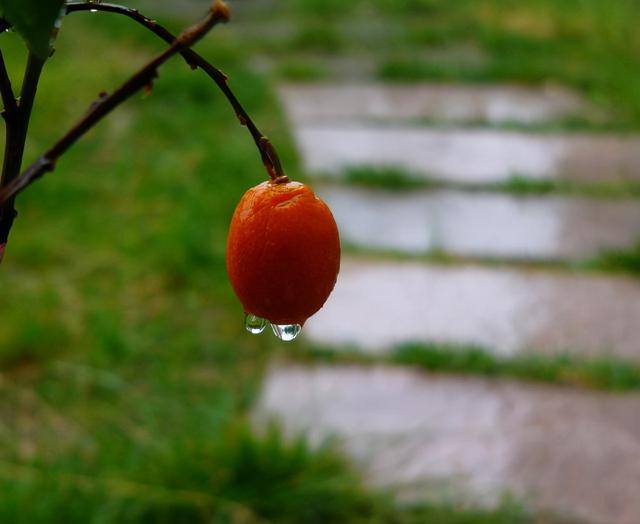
x: 605, y: 189
x: 616, y: 260
x: 399, y: 179
x: 534, y: 42
x: 300, y: 71
x: 590, y: 45
x: 522, y: 185
x: 388, y: 178
x: 310, y: 486
x: 564, y: 369
x: 239, y: 476
x: 621, y: 261
x: 317, y: 38
x: 566, y: 125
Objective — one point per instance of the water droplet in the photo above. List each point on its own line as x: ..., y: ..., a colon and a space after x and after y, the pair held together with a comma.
x: 286, y: 332
x: 253, y: 324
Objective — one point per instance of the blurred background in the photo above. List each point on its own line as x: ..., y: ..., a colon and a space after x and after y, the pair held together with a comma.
x: 479, y: 359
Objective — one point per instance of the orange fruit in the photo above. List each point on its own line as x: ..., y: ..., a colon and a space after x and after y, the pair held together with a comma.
x: 283, y: 252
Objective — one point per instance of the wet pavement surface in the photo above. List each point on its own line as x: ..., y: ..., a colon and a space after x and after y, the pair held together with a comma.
x: 446, y: 438
x: 468, y: 156
x: 307, y: 103
x: 338, y: 126
x: 376, y: 305
x: 470, y: 439
x: 482, y: 224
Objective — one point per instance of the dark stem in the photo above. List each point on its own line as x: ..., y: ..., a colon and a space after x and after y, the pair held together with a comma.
x: 106, y: 103
x: 6, y: 91
x: 17, y: 116
x: 267, y: 151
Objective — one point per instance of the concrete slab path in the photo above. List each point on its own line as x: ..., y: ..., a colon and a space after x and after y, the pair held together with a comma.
x: 469, y: 439
x: 482, y: 224
x: 475, y: 156
x: 376, y: 305
x: 453, y: 103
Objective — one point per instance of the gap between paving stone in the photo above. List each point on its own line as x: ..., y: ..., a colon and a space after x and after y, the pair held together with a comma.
x: 482, y: 224
x: 378, y: 305
x: 469, y: 156
x: 454, y: 103
x: 470, y: 439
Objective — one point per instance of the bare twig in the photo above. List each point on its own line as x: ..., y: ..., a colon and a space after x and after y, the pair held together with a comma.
x: 105, y: 104
x: 6, y: 91
x: 267, y: 151
x: 17, y: 124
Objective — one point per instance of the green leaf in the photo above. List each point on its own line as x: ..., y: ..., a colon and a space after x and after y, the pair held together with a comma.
x: 34, y: 20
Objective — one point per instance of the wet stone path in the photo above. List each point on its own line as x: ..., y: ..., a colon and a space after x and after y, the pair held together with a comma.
x: 379, y: 126
x: 447, y: 438
x: 377, y: 305
x: 451, y: 103
x: 472, y: 156
x: 473, y: 440
x: 482, y: 224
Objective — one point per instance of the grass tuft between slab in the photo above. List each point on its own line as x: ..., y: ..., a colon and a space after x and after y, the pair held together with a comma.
x: 607, y: 374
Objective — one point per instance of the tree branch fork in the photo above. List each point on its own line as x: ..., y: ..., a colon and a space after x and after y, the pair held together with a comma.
x: 16, y: 117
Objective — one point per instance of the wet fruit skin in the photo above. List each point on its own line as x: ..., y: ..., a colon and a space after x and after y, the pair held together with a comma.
x: 283, y: 252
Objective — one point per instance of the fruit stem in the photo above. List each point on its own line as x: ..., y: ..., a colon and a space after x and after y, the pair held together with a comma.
x: 270, y: 158
x: 268, y: 153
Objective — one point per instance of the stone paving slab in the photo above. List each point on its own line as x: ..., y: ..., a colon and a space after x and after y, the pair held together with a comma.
x: 455, y: 103
x: 471, y: 439
x: 469, y: 156
x: 376, y: 305
x: 482, y: 223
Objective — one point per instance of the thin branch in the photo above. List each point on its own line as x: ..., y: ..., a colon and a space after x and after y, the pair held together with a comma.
x: 267, y: 152
x: 6, y: 91
x: 17, y: 124
x: 30, y: 85
x: 106, y: 103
